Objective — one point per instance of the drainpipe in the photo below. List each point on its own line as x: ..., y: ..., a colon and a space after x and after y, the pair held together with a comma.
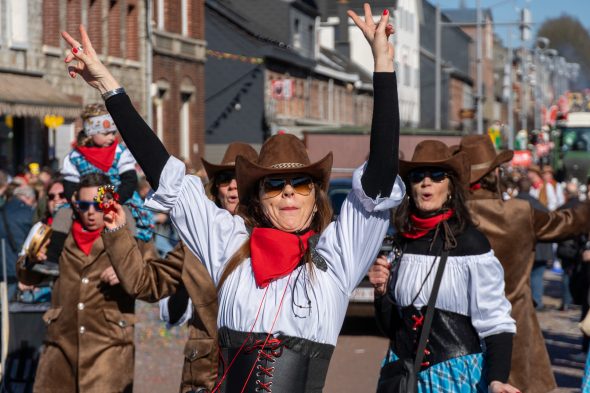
x: 148, y: 63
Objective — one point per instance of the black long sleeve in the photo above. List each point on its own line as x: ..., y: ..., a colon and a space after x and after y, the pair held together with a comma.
x: 143, y: 143
x: 177, y: 304
x: 382, y: 166
x: 498, y: 356
x: 56, y: 245
x: 383, y: 315
x: 128, y: 185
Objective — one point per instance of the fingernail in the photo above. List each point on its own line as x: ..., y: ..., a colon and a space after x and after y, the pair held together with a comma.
x: 75, y: 50
x: 385, y: 12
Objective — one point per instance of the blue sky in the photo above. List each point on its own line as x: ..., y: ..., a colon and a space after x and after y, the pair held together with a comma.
x: 507, y: 11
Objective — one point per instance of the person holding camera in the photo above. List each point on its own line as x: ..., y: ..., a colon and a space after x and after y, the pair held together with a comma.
x: 443, y: 295
x: 90, y: 325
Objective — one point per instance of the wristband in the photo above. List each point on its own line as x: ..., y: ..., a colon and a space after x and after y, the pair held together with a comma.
x: 108, y: 94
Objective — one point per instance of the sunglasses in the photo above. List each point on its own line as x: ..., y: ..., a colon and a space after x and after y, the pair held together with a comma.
x: 272, y: 187
x: 51, y: 196
x: 436, y: 175
x: 83, y: 206
x: 224, y: 178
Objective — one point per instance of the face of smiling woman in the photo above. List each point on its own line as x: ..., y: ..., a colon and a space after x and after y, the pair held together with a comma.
x: 289, y: 211
x: 429, y: 196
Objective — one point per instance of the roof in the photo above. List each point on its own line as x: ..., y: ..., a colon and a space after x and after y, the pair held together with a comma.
x: 333, y: 59
x: 25, y: 95
x: 466, y: 15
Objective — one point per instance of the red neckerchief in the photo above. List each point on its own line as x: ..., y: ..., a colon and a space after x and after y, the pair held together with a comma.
x: 100, y: 157
x: 538, y: 184
x: 475, y: 186
x: 424, y: 225
x: 83, y: 238
x: 49, y: 220
x: 275, y: 253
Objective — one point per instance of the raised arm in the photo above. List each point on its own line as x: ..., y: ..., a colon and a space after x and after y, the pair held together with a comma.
x: 143, y: 143
x: 382, y: 165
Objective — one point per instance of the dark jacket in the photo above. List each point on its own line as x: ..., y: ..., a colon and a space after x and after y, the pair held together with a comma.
x: 19, y: 217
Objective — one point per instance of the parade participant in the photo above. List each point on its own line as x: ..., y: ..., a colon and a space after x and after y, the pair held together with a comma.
x: 89, y: 342
x: 98, y: 151
x: 196, y: 293
x: 435, y: 229
x: 279, y: 319
x: 504, y: 222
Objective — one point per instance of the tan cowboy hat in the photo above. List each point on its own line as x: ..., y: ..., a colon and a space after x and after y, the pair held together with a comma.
x: 228, y: 163
x: 280, y: 154
x: 432, y: 153
x: 482, y: 155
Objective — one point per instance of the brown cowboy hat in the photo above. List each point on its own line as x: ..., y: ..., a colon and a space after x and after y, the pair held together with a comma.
x: 280, y: 154
x: 432, y: 153
x: 228, y: 163
x: 482, y: 155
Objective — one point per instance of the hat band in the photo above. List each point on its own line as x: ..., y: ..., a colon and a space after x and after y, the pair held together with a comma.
x: 287, y: 165
x: 483, y: 165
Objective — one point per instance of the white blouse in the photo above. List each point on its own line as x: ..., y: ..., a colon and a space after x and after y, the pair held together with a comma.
x: 472, y: 285
x: 313, y: 306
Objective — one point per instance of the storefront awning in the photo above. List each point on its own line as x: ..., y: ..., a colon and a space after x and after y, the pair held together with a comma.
x: 23, y: 95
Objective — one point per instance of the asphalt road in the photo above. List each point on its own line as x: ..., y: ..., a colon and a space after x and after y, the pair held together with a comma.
x: 355, y: 365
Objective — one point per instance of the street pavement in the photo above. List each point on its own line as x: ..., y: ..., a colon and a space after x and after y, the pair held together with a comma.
x: 360, y: 350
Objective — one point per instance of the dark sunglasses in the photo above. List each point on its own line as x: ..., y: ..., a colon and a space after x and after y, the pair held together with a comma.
x: 224, y: 178
x: 51, y: 196
x: 436, y: 175
x: 272, y: 187
x: 83, y: 206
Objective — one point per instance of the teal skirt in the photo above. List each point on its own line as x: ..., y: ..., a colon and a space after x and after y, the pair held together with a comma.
x: 464, y: 374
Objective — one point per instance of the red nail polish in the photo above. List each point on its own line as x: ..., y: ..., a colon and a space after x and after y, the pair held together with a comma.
x: 385, y: 12
x: 75, y: 50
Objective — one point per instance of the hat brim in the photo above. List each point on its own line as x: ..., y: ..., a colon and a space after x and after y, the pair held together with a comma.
x: 478, y: 171
x: 457, y: 163
x: 213, y: 169
x: 248, y: 174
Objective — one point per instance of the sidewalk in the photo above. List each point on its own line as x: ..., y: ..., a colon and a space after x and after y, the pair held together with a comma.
x: 562, y: 336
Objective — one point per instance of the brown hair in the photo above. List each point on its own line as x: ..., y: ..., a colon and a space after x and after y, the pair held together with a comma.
x: 254, y: 217
x: 456, y: 202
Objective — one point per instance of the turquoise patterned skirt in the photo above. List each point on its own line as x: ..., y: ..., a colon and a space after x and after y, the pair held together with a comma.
x: 464, y: 374
x: 586, y: 378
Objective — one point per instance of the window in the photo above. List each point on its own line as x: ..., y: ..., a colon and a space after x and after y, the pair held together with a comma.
x: 160, y: 14
x: 185, y: 125
x: 18, y: 24
x: 184, y: 17
x: 296, y: 34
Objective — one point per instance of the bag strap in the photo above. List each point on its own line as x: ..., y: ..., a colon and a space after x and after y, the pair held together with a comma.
x: 430, y: 312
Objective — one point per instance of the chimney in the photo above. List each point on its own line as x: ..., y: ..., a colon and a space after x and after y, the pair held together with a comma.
x: 342, y: 42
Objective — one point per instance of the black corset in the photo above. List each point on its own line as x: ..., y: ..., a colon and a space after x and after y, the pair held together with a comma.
x: 284, y: 364
x: 452, y: 335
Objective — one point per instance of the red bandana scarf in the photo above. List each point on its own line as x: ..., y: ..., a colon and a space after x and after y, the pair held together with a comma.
x: 100, y: 157
x: 424, y: 225
x: 275, y: 253
x: 83, y: 238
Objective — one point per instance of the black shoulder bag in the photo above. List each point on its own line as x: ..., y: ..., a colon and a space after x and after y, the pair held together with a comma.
x: 401, y: 376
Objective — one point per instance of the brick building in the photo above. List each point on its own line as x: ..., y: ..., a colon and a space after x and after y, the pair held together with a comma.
x: 178, y: 89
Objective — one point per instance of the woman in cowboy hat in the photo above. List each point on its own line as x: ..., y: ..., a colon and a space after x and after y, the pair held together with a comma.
x: 433, y: 226
x: 284, y: 272
x: 513, y: 227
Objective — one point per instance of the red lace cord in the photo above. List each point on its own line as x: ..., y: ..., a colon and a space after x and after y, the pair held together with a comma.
x: 266, y: 386
x: 216, y: 388
x: 275, y: 350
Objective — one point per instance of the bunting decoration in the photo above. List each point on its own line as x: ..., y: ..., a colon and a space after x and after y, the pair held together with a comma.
x: 232, y: 56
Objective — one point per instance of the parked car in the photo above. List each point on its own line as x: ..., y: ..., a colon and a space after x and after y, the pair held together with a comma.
x: 361, y: 300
